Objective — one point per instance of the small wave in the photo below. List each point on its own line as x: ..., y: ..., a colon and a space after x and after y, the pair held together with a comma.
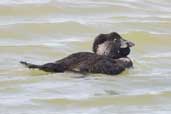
x: 9, y: 2
x: 157, y: 55
x: 108, y: 100
x: 28, y: 9
x: 46, y: 29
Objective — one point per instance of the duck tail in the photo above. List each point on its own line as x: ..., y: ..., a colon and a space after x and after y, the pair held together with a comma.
x: 29, y: 65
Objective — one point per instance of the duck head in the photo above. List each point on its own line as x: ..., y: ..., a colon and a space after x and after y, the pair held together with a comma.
x: 112, y: 45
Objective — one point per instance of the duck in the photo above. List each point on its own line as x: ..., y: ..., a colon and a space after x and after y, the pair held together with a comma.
x: 109, y: 56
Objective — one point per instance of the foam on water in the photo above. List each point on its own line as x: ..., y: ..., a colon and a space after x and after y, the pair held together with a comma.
x: 13, y: 2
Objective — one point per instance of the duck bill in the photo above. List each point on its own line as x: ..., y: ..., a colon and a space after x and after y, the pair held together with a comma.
x: 130, y: 44
x: 126, y: 44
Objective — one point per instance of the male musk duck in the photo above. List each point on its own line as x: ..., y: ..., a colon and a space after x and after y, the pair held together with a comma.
x: 109, y: 57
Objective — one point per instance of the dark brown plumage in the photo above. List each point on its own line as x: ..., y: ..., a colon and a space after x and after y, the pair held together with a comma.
x: 109, y: 57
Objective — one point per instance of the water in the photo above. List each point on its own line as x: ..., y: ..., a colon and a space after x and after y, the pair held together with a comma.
x: 41, y: 31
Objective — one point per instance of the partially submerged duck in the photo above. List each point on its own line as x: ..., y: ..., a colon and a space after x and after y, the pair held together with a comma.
x: 109, y: 57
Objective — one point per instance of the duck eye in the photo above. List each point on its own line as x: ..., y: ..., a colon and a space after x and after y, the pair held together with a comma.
x: 114, y: 40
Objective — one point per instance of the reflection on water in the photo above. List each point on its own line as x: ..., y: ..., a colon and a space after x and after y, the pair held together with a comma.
x: 41, y: 31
